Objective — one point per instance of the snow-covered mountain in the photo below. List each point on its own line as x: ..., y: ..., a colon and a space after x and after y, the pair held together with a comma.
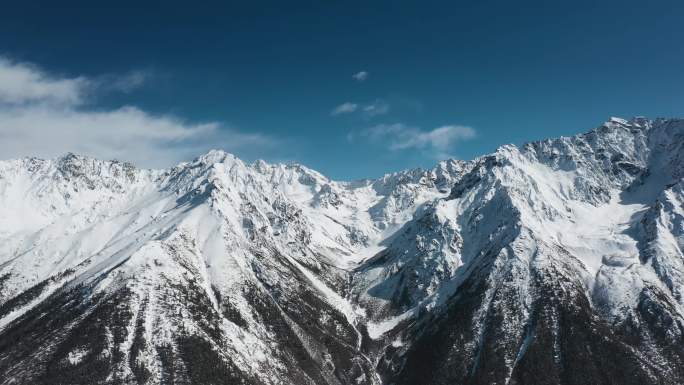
x: 558, y: 262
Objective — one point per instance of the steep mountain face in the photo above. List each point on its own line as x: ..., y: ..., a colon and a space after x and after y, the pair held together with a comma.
x: 558, y: 262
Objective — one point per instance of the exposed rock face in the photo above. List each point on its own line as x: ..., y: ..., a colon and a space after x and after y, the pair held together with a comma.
x: 558, y: 262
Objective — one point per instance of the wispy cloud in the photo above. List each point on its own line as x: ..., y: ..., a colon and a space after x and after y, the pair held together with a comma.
x: 375, y: 108
x: 439, y: 141
x: 360, y: 76
x: 344, y: 108
x: 23, y: 83
x: 378, y: 107
x: 122, y: 83
x: 46, y: 115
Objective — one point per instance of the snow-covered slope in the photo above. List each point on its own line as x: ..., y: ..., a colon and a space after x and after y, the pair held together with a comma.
x: 559, y: 261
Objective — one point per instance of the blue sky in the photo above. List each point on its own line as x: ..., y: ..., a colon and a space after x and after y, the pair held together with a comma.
x: 162, y: 82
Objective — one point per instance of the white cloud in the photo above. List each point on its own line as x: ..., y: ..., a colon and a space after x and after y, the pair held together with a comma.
x: 23, y: 83
x: 401, y: 137
x: 344, y: 108
x: 375, y: 108
x: 378, y: 107
x: 126, y: 133
x: 122, y: 83
x: 360, y: 76
x: 43, y: 115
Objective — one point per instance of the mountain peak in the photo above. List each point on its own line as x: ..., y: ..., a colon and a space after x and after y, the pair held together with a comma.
x: 216, y: 156
x: 614, y: 119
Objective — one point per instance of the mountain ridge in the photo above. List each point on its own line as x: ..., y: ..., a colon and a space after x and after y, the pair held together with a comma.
x: 558, y: 261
